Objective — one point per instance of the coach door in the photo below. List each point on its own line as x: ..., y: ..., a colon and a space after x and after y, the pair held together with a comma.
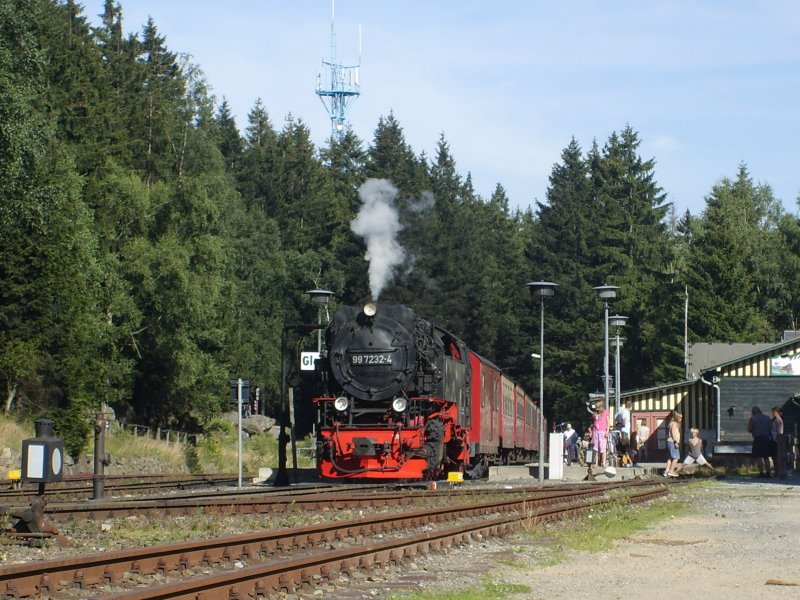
x: 657, y: 442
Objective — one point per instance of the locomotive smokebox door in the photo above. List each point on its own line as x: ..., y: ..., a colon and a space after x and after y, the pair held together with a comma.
x: 43, y: 456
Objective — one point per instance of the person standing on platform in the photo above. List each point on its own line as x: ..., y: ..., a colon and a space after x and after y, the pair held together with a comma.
x: 780, y: 443
x: 601, y: 426
x: 623, y: 424
x: 642, y: 435
x: 760, y: 427
x: 673, y: 444
x: 570, y: 444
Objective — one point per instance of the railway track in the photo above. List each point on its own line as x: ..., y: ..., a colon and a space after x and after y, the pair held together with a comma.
x: 285, y: 560
x: 113, y: 485
x: 269, y: 499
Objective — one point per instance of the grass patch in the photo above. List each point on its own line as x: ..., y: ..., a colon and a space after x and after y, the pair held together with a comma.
x: 124, y: 445
x: 597, y: 529
x: 12, y: 433
x: 488, y: 590
x: 216, y: 451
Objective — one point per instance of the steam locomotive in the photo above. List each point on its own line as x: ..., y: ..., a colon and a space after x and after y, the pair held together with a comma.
x: 402, y: 398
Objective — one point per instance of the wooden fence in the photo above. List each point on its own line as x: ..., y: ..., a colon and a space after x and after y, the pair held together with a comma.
x: 162, y: 435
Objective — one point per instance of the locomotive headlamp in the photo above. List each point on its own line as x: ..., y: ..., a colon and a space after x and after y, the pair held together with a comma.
x: 341, y: 403
x: 399, y: 404
x: 370, y: 308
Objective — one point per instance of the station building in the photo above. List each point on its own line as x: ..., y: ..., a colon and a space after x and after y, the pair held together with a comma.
x: 724, y: 382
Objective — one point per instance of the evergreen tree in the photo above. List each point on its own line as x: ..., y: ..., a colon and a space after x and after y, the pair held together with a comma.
x: 121, y: 84
x: 562, y: 248
x: 257, y: 176
x: 640, y: 257
x: 51, y: 330
x: 73, y: 70
x: 604, y: 224
x: 228, y: 138
x: 160, y: 112
x: 786, y: 311
x: 732, y: 278
x: 344, y: 161
x: 390, y: 157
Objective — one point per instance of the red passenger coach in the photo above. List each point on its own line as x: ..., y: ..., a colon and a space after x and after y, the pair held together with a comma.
x: 401, y: 398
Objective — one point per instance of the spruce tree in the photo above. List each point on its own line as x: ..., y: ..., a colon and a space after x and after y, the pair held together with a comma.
x: 51, y: 329
x: 228, y: 138
x: 732, y: 278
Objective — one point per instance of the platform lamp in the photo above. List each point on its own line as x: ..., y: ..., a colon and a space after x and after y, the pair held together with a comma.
x: 541, y: 290
x: 606, y: 293
x: 617, y: 321
x: 321, y: 298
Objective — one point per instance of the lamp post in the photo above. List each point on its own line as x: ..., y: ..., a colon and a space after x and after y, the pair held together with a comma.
x: 541, y: 290
x: 606, y: 293
x: 282, y: 477
x: 617, y: 321
x: 321, y: 298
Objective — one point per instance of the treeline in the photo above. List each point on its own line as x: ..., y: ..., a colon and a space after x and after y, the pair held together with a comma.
x: 150, y: 251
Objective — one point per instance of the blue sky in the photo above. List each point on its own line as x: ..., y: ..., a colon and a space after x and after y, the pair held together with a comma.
x: 706, y: 84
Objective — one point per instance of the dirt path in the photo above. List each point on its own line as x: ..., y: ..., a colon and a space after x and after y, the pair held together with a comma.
x: 744, y: 543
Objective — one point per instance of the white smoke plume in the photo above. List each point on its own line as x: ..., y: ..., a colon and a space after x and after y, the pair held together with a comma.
x: 378, y: 223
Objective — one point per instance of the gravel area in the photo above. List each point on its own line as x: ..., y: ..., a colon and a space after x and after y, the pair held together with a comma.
x: 741, y: 543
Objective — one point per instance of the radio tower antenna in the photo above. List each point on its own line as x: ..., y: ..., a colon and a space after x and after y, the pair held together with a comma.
x: 340, y: 85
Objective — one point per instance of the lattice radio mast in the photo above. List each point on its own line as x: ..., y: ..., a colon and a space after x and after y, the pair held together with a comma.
x: 341, y: 86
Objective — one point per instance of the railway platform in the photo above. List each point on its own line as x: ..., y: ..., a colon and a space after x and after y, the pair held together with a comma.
x: 574, y: 472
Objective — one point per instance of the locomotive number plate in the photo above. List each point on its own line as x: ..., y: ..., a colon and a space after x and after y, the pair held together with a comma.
x: 373, y: 358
